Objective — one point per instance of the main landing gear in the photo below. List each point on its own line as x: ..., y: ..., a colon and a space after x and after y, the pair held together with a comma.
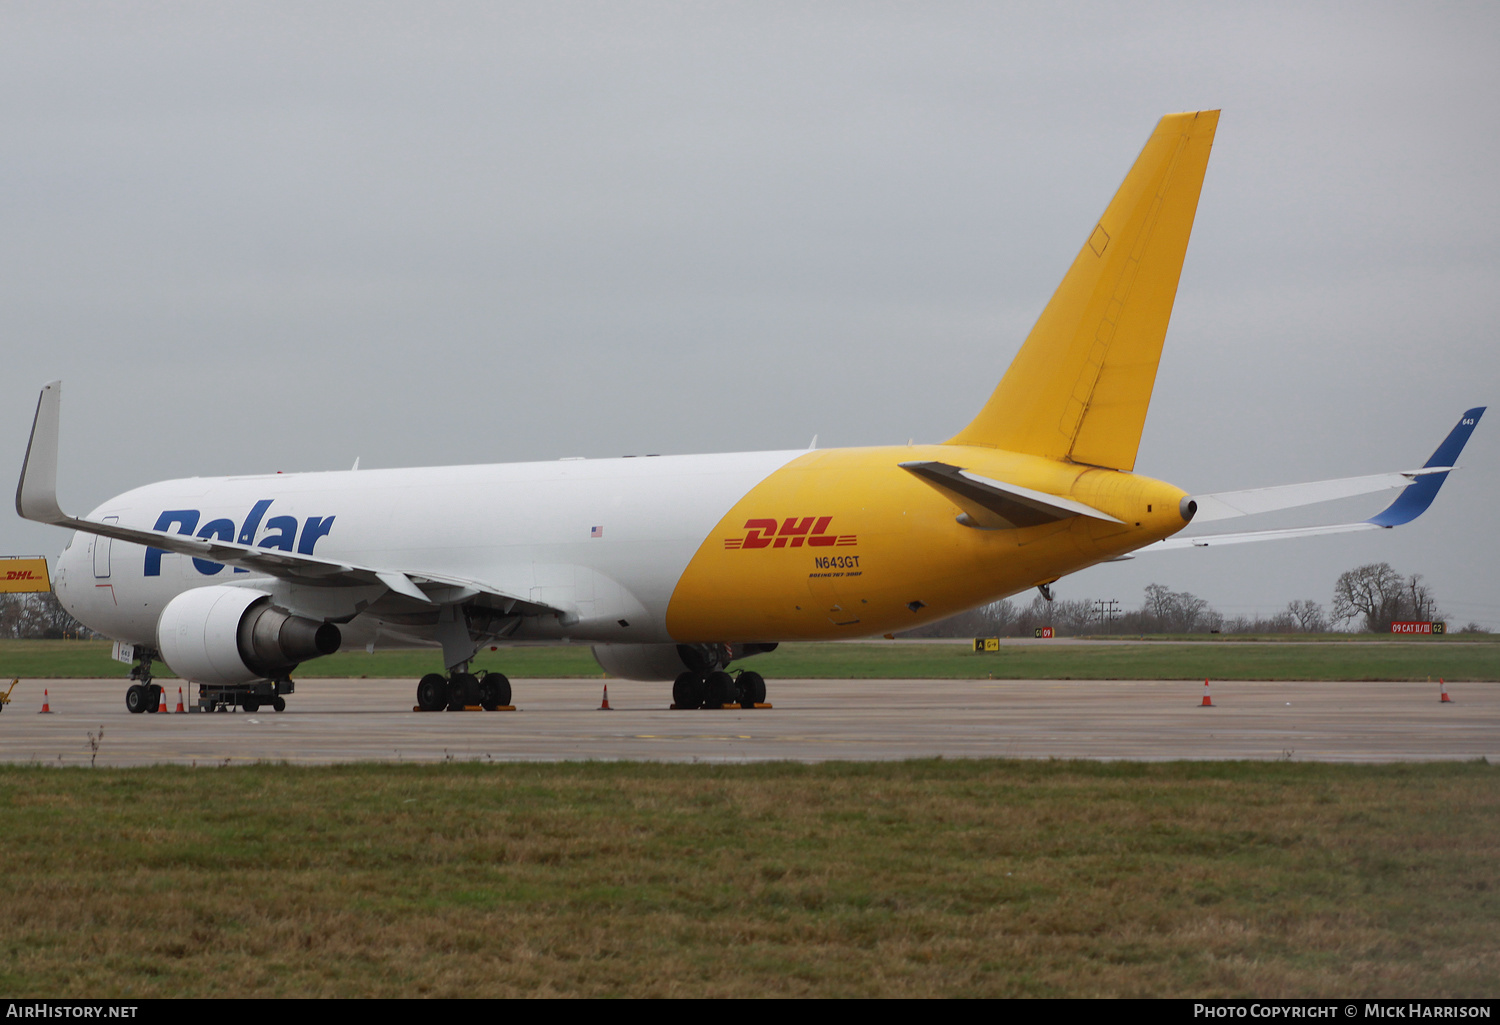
x: 462, y: 690
x: 717, y: 688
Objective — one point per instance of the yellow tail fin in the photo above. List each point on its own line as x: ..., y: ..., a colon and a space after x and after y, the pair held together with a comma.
x: 1079, y: 387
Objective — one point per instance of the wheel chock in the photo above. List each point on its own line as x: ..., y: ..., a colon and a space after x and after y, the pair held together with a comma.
x: 471, y: 708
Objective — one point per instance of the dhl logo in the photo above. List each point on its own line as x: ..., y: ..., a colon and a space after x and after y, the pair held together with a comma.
x: 24, y: 575
x: 790, y: 533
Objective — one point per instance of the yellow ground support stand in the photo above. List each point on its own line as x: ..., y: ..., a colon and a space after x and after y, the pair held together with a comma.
x: 5, y: 697
x: 24, y: 574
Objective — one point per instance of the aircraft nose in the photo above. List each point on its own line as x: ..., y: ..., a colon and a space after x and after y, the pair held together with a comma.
x: 67, y: 576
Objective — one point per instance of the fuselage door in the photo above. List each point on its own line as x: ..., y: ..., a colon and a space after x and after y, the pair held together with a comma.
x: 101, y: 552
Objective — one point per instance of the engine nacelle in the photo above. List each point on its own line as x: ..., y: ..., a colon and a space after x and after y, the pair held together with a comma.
x: 668, y: 661
x: 640, y: 661
x: 230, y: 635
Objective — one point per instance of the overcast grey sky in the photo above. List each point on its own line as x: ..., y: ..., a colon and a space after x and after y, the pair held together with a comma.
x: 253, y: 237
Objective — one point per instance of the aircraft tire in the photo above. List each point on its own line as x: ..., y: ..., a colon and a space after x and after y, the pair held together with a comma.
x: 463, y: 690
x: 494, y: 691
x: 135, y: 699
x: 687, y: 690
x: 752, y: 688
x: 432, y: 693
x: 719, y: 690
x: 279, y: 703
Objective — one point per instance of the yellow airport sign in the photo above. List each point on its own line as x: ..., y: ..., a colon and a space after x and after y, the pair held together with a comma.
x: 23, y: 574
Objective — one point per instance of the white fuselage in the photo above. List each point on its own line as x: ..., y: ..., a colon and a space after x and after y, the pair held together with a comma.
x: 605, y: 539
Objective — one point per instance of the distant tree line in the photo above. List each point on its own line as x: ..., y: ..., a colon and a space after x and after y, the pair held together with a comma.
x: 1369, y: 598
x: 38, y: 617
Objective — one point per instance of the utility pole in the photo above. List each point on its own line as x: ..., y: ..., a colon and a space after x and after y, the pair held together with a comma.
x: 1108, y: 612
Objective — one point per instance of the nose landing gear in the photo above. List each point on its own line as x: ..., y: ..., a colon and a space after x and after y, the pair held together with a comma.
x: 142, y: 695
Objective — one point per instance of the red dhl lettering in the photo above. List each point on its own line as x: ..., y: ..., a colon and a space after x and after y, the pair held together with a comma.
x: 792, y: 532
x: 19, y: 574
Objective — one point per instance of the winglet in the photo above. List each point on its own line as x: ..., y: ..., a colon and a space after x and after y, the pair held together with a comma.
x: 1417, y: 496
x: 36, y: 492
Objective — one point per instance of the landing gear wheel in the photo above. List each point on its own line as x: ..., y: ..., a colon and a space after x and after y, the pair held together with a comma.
x: 432, y: 693
x: 250, y: 704
x: 752, y: 689
x: 279, y: 703
x: 463, y: 690
x: 153, y: 698
x: 494, y: 691
x: 719, y: 690
x: 135, y: 699
x: 688, y: 690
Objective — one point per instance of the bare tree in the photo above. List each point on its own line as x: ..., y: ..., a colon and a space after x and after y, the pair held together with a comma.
x: 992, y: 620
x: 1168, y: 611
x: 1380, y: 596
x: 38, y: 616
x: 1309, y: 615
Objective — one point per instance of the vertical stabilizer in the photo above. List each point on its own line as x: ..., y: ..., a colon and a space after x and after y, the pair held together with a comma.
x: 1079, y: 387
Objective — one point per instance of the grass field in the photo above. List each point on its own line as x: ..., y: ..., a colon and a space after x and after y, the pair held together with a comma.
x: 964, y: 878
x: 1451, y: 658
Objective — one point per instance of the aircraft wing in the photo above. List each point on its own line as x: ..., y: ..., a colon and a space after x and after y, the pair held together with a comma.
x: 1418, y: 489
x: 36, y: 499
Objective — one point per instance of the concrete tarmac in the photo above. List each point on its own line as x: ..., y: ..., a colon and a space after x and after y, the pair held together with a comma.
x: 330, y: 721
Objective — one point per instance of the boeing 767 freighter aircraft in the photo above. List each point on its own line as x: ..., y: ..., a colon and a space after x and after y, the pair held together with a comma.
x: 675, y: 567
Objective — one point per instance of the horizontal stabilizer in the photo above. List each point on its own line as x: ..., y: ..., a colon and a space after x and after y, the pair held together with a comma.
x: 996, y: 505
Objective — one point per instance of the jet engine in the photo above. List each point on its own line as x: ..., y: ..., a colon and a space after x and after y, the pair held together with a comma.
x: 231, y: 635
x: 668, y: 661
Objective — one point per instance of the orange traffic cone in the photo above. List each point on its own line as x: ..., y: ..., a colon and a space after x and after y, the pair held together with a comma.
x: 163, y: 706
x: 605, y: 707
x: 1208, y: 702
x: 179, y: 700
x: 1446, y: 700
x: 46, y: 707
